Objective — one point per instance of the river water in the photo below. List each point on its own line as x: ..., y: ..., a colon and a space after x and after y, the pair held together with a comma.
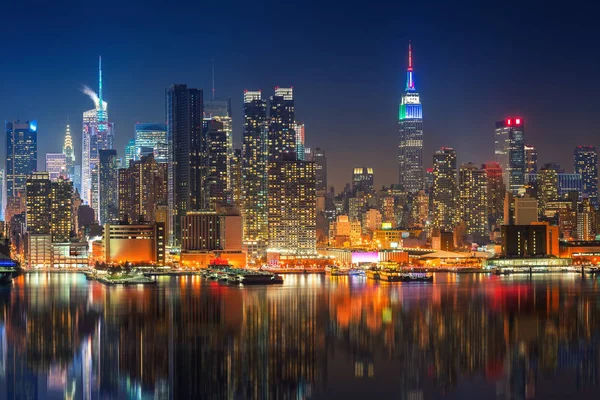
x: 462, y: 337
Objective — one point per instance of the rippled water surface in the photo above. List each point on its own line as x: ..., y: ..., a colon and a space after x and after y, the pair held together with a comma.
x: 462, y: 337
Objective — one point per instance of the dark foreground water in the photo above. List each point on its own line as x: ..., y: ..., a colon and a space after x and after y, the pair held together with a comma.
x: 463, y: 337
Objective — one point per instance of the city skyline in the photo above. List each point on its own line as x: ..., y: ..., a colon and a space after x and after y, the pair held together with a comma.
x: 458, y: 111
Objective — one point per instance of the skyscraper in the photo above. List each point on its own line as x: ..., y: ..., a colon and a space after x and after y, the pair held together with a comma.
x: 217, y: 162
x: 151, y: 138
x: 38, y: 203
x: 495, y: 193
x: 97, y: 134
x: 586, y: 164
x: 56, y: 165
x: 185, y: 114
x: 318, y: 156
x: 142, y: 190
x: 220, y: 110
x: 445, y: 191
x: 108, y: 183
x: 410, y: 123
x: 254, y: 169
x: 2, y: 194
x: 547, y: 187
x: 531, y: 156
x: 473, y: 201
x: 292, y: 208
x: 282, y: 137
x: 299, y: 129
x: 69, y: 153
x: 61, y: 209
x: 362, y: 180
x: 509, y: 148
x: 21, y: 154
x: 130, y: 152
x: 236, y: 178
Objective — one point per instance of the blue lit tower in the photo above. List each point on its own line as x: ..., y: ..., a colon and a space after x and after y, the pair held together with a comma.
x: 410, y: 122
x: 586, y: 164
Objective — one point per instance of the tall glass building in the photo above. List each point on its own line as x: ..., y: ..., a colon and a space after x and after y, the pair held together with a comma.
x: 586, y: 164
x: 410, y: 123
x: 185, y: 113
x: 445, y: 190
x: 282, y: 124
x: 21, y: 154
x: 151, y: 138
x: 509, y: 149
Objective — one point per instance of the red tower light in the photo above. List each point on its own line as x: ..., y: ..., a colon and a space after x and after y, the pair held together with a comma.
x: 518, y: 121
x: 508, y: 122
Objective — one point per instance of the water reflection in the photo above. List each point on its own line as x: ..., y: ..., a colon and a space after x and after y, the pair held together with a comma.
x: 314, y: 337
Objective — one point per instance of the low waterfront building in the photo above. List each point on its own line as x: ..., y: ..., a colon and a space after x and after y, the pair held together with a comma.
x: 136, y: 244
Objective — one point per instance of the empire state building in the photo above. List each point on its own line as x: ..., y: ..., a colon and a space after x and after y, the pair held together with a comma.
x: 410, y: 123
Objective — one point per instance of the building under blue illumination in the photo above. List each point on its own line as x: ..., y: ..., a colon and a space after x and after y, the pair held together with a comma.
x: 21, y: 154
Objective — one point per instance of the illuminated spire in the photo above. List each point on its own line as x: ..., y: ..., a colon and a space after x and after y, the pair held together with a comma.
x: 100, y: 80
x: 68, y: 146
x: 410, y: 84
x: 101, y: 110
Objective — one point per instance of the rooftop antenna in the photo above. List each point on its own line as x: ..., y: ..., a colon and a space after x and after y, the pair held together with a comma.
x: 213, y: 79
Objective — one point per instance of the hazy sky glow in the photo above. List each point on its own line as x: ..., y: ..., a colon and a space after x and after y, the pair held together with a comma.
x: 347, y: 66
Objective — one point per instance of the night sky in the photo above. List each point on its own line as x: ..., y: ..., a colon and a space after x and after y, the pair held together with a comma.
x: 347, y: 63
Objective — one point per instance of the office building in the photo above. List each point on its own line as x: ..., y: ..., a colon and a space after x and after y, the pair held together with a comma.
x: 21, y: 154
x: 495, y: 193
x: 586, y: 164
x: 586, y: 220
x: 130, y: 153
x: 254, y: 169
x: 56, y: 165
x: 509, y: 148
x: 362, y: 180
x: 151, y: 138
x: 38, y: 202
x: 547, y: 187
x: 77, y: 177
x: 61, y: 210
x: 186, y: 140
x: 520, y: 210
x: 142, y: 190
x: 217, y: 159
x: 108, y: 184
x: 300, y: 148
x: 282, y: 137
x: 236, y: 178
x: 69, y: 153
x: 97, y: 134
x: 445, y: 191
x: 318, y: 157
x: 220, y: 110
x: 292, y: 208
x: 531, y: 157
x: 2, y: 194
x: 473, y: 189
x: 410, y: 124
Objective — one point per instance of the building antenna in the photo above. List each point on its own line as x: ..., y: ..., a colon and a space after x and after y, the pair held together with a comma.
x: 213, y: 79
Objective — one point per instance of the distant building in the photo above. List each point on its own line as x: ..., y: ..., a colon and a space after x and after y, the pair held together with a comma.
x: 217, y: 158
x: 282, y: 122
x: 362, y: 180
x: 547, y: 187
x: 495, y: 193
x: 445, y: 190
x: 56, y: 165
x: 509, y: 149
x: 586, y: 164
x: 142, y: 189
x: 318, y: 157
x: 299, y: 129
x: 473, y: 188
x: 292, y: 208
x: 151, y: 138
x: 108, y: 180
x: 586, y: 221
x: 130, y: 153
x: 69, y: 154
x: 531, y: 157
x: 21, y: 154
x: 526, y: 210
